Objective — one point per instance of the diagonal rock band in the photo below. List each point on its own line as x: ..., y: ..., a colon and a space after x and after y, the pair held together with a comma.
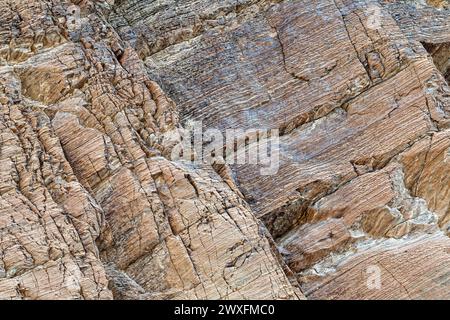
x: 211, y: 150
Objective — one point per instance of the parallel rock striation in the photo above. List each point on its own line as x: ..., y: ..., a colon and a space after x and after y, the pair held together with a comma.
x: 90, y: 207
x: 94, y: 206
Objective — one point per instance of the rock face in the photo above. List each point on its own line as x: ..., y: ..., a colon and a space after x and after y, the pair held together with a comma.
x: 94, y: 94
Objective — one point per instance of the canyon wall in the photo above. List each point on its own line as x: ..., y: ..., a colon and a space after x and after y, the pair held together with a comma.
x: 94, y: 95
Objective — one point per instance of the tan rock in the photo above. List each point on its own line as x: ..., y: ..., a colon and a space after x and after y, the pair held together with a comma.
x: 93, y: 93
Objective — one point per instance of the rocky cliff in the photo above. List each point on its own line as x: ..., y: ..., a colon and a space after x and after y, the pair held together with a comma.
x: 94, y: 95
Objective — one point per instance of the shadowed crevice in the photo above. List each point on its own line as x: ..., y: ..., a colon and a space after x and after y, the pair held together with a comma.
x: 441, y: 57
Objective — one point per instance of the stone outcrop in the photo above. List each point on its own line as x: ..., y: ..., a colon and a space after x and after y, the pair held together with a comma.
x: 94, y: 206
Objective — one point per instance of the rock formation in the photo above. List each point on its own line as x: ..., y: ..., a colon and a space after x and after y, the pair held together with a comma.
x: 93, y: 205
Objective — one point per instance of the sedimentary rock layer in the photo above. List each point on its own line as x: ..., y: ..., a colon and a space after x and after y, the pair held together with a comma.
x: 94, y: 206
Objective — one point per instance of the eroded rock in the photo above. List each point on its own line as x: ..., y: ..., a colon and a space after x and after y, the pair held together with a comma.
x: 93, y: 206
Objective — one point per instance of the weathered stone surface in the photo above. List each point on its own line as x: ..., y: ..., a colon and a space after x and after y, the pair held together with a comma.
x: 93, y: 206
x: 90, y: 208
x: 409, y: 268
x: 426, y: 21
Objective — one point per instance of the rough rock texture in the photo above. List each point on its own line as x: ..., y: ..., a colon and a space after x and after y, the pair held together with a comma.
x: 92, y: 205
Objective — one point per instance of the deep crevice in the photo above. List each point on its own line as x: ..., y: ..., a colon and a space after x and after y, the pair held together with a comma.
x: 440, y: 52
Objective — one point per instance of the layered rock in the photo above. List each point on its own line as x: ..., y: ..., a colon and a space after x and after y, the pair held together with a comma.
x: 94, y: 206
x: 355, y: 95
x: 91, y: 208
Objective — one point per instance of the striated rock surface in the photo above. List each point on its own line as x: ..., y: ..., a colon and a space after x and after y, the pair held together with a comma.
x: 94, y: 94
